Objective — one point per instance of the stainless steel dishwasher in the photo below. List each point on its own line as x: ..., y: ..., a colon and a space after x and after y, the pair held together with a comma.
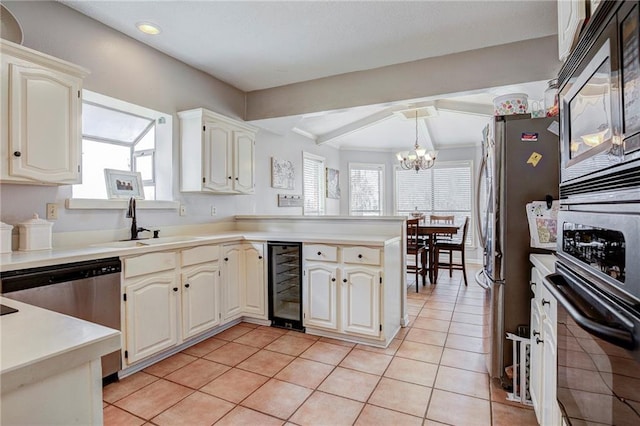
x: 87, y: 290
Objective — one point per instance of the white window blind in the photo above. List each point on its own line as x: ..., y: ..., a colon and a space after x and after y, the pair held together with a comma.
x: 313, y: 184
x: 445, y: 189
x: 366, y: 183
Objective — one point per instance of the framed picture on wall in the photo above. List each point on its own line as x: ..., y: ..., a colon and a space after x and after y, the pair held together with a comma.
x: 333, y: 183
x: 123, y: 184
x: 282, y: 174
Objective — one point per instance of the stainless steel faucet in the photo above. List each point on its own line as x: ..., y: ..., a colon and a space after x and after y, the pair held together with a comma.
x: 131, y: 213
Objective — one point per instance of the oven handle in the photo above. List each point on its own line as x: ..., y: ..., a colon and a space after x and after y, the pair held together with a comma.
x: 570, y: 301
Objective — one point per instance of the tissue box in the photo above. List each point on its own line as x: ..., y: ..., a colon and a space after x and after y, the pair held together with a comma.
x: 5, y: 238
x: 35, y: 234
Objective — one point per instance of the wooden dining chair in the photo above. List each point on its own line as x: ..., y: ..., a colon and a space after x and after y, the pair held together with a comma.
x: 455, y: 244
x: 416, y: 252
x: 445, y: 220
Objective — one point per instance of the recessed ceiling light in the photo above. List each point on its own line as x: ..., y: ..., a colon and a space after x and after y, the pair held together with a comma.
x: 148, y: 28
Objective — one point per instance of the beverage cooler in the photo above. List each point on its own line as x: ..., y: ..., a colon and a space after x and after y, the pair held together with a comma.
x: 285, y: 285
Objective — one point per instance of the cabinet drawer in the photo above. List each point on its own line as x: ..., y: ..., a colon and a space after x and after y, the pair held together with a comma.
x: 149, y: 263
x: 200, y: 254
x: 320, y: 252
x: 361, y: 255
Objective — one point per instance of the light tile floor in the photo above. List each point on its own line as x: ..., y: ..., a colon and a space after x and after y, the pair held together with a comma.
x: 432, y: 373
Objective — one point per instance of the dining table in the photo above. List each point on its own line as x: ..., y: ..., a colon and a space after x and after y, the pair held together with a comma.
x: 429, y: 231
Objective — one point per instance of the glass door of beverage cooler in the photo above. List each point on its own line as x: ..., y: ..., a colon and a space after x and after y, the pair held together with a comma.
x: 285, y: 285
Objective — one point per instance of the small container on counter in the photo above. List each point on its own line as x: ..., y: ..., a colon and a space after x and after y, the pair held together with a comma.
x: 35, y: 234
x: 5, y: 237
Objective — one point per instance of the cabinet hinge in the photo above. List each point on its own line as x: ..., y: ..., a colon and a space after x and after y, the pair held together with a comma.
x: 126, y: 354
x: 78, y: 168
x: 218, y: 273
x: 380, y: 327
x: 78, y: 94
x: 220, y: 315
x: 304, y: 315
x: 124, y: 297
x: 203, y: 180
x: 380, y: 280
x: 204, y: 128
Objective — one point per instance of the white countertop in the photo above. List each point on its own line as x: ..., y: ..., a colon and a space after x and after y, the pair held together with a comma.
x: 545, y: 262
x: 37, y: 343
x: 32, y: 259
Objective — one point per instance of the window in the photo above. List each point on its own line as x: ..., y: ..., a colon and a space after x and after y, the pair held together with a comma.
x: 445, y: 189
x: 119, y: 135
x: 366, y: 183
x: 313, y: 184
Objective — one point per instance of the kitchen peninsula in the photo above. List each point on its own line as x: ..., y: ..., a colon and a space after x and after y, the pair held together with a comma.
x: 50, y: 370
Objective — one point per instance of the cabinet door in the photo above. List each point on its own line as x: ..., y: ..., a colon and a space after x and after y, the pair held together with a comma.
x: 200, y: 299
x: 320, y: 296
x: 536, y: 358
x: 231, y: 271
x: 361, y: 301
x: 253, y: 280
x: 550, y: 409
x: 244, y: 161
x: 44, y: 124
x: 571, y: 14
x: 217, y: 158
x: 150, y: 314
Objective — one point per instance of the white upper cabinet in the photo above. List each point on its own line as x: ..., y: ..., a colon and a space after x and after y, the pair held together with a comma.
x: 41, y: 117
x: 571, y: 15
x: 217, y: 153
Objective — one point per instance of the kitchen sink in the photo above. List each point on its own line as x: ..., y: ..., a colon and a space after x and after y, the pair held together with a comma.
x: 120, y: 244
x: 168, y: 240
x: 146, y: 242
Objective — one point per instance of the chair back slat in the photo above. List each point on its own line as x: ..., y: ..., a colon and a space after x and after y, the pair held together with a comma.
x: 441, y: 219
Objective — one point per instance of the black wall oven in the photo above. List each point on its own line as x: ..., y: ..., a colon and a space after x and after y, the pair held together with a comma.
x: 597, y: 286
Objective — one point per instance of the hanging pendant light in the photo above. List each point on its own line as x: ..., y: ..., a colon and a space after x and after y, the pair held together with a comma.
x: 417, y: 159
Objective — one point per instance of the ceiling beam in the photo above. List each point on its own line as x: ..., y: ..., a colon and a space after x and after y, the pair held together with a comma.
x: 355, y: 126
x: 464, y: 107
x: 423, y: 125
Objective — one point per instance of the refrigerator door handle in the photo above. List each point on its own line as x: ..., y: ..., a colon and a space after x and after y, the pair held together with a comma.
x: 481, y: 237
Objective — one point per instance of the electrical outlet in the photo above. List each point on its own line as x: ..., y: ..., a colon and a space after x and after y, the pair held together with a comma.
x: 213, y: 211
x: 52, y: 211
x: 183, y: 210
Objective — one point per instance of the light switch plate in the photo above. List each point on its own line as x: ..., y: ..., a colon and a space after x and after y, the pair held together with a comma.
x: 52, y: 211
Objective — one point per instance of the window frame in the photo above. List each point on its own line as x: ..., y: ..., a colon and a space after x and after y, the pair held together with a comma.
x: 162, y: 158
x: 471, y: 242
x: 369, y: 166
x: 322, y: 189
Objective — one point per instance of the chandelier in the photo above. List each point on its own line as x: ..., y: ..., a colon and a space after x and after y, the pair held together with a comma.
x: 417, y: 159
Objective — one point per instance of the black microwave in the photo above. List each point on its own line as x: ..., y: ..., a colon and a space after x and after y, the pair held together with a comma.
x: 600, y: 107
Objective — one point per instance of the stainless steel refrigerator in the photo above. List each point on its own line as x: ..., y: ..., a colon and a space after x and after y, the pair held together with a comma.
x: 519, y: 165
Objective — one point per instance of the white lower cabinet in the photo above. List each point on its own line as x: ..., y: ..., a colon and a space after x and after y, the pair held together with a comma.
x: 321, y: 296
x: 167, y: 301
x: 543, y: 374
x: 243, y: 284
x: 151, y: 319
x: 361, y: 301
x: 200, y: 299
x: 339, y: 296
